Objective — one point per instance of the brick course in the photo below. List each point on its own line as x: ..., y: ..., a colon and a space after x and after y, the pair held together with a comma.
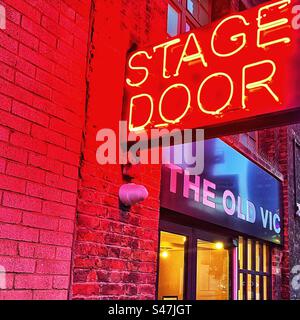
x: 42, y: 94
x: 63, y: 233
x: 110, y: 245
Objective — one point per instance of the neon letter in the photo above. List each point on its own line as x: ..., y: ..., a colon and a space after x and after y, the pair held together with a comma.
x: 233, y: 38
x: 187, y: 58
x: 265, y: 27
x: 128, y: 81
x: 166, y: 45
x: 132, y: 104
x: 187, y: 106
x: 257, y: 84
x: 219, y: 74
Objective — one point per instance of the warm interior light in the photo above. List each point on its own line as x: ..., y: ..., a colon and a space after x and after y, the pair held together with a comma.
x: 219, y: 245
x: 165, y: 254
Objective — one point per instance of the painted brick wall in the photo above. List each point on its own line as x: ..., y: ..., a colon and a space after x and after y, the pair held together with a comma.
x: 42, y: 97
x: 115, y: 251
x: 47, y: 132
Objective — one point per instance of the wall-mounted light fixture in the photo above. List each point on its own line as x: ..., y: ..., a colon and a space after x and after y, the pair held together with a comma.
x: 165, y: 254
x: 131, y: 194
x: 219, y: 245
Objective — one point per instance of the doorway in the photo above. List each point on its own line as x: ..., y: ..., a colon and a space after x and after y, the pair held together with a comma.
x: 212, y: 271
x: 193, y: 264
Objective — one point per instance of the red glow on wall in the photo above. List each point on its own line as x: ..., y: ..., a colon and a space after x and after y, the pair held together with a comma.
x: 236, y: 69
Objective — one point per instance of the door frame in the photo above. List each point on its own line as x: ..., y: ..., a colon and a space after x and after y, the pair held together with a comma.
x: 190, y: 255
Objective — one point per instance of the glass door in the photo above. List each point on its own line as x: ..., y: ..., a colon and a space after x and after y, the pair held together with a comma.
x: 193, y: 264
x: 171, y: 266
x: 212, y: 278
x: 254, y: 270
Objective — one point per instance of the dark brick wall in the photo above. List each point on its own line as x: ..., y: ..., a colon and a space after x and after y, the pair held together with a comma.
x: 273, y: 144
x: 278, y: 144
x: 294, y: 221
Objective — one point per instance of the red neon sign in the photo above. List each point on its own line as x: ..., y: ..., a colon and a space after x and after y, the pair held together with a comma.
x: 237, y: 69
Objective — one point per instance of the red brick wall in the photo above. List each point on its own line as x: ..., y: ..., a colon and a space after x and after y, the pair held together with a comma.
x: 42, y: 97
x: 126, y: 241
x: 115, y: 251
x: 48, y: 170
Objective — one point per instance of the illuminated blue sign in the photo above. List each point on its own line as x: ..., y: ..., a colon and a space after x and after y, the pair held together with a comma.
x: 232, y: 192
